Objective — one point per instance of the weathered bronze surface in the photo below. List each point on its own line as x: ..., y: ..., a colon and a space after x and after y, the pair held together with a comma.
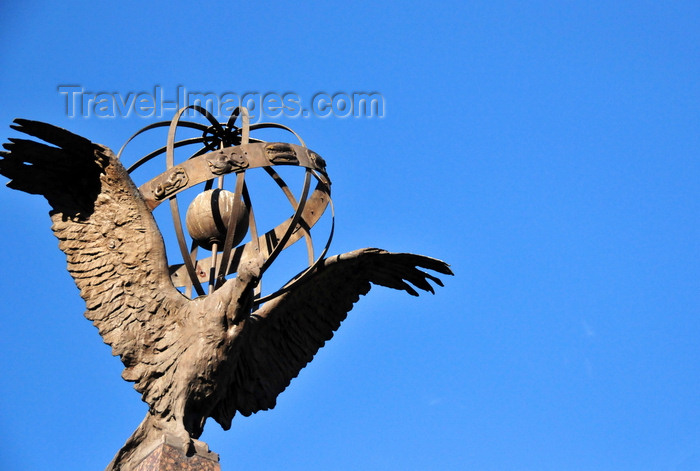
x: 218, y: 354
x: 208, y: 215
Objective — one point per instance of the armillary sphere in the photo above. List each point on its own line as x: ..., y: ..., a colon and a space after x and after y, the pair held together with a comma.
x: 218, y: 219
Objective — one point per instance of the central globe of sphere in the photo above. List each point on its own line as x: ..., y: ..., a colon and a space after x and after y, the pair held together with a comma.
x: 208, y: 216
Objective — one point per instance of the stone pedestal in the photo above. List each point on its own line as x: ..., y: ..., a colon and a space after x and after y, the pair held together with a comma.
x: 168, y: 456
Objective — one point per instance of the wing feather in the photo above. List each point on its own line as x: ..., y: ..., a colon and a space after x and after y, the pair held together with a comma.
x: 114, y: 250
x: 286, y: 332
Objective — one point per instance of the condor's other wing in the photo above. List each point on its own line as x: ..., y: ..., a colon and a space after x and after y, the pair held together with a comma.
x: 286, y: 332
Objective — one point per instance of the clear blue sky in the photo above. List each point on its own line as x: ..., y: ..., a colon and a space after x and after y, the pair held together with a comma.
x: 550, y: 151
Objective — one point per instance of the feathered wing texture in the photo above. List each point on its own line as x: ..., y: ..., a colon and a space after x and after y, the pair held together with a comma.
x: 114, y: 250
x: 285, y: 333
x: 117, y: 258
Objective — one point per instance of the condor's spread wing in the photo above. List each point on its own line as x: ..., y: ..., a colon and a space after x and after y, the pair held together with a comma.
x: 114, y: 250
x: 285, y: 333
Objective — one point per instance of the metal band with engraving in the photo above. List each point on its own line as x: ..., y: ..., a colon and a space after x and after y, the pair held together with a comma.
x: 169, y: 183
x: 229, y: 160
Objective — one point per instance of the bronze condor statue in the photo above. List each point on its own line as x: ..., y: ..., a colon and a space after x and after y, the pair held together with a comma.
x: 216, y: 355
